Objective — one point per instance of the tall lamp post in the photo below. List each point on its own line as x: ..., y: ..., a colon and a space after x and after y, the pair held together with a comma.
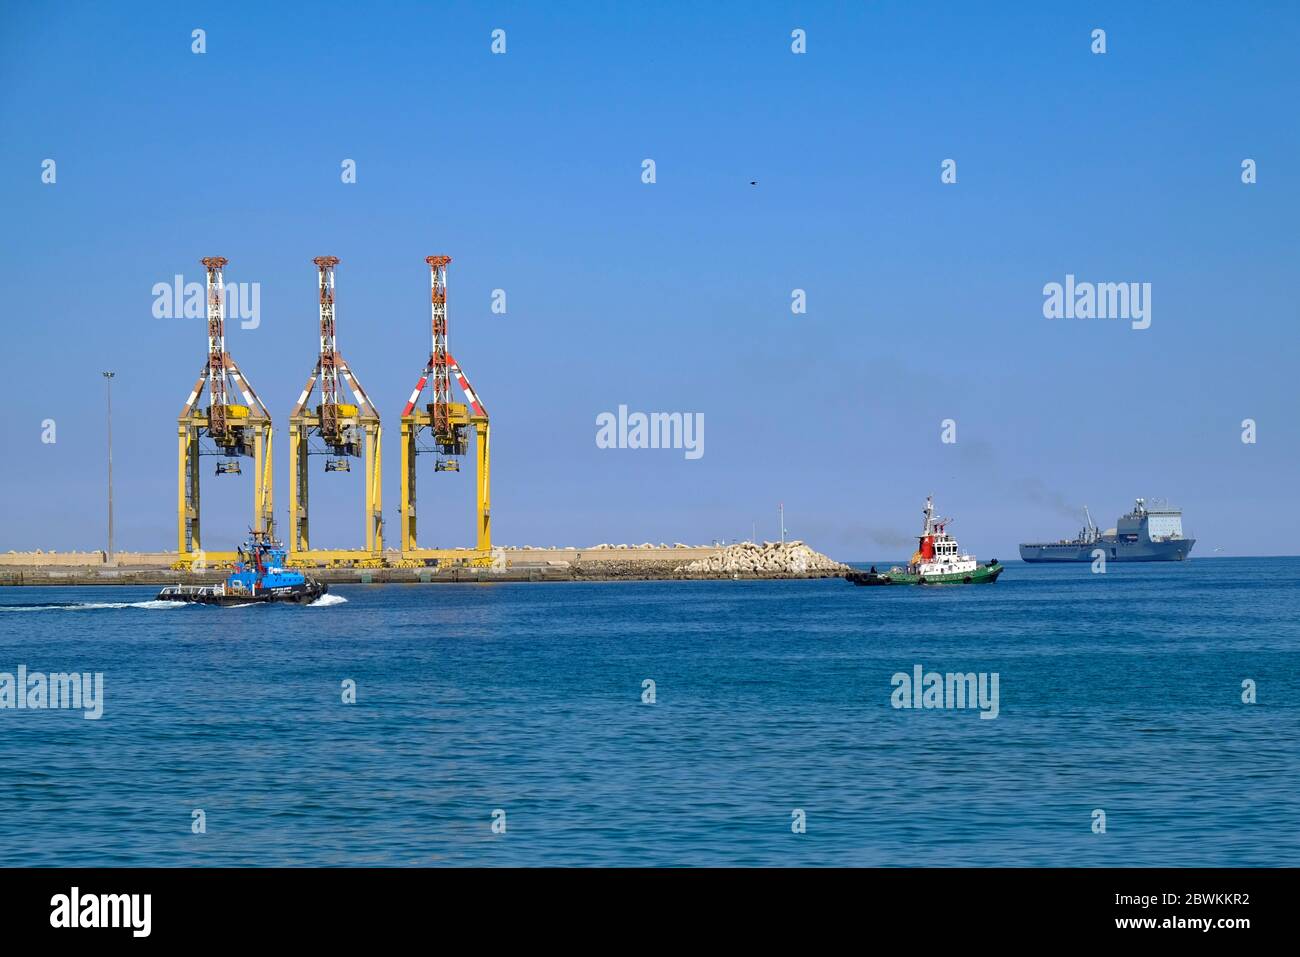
x: 108, y: 383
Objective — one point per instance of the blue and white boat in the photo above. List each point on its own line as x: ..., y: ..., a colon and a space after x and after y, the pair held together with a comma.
x: 260, y: 575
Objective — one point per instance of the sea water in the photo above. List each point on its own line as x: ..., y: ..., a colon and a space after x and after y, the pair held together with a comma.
x: 667, y: 723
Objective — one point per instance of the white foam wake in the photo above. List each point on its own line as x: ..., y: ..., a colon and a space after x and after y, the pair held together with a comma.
x: 152, y: 605
x: 326, y: 600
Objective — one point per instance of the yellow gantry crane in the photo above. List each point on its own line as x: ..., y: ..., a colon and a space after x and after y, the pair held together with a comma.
x: 447, y: 423
x: 347, y: 430
x: 236, y: 430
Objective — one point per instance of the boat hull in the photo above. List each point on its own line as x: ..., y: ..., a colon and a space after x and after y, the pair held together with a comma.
x: 982, y: 575
x: 1114, y: 551
x: 302, y: 594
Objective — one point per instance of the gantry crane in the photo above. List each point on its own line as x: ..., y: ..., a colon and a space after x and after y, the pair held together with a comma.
x: 346, y: 430
x: 236, y: 430
x: 447, y: 423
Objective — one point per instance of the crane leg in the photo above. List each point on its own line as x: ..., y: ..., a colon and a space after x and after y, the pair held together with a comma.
x: 299, y: 531
x: 182, y: 487
x: 374, y: 490
x: 483, y: 482
x: 408, y: 483
x: 259, y: 452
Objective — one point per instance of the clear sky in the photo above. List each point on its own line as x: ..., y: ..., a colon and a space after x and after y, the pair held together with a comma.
x: 924, y: 299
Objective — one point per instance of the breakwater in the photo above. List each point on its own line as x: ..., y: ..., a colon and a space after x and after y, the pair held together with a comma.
x: 746, y: 560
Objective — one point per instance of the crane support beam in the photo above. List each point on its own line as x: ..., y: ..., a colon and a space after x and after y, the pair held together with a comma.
x: 482, y: 486
x: 410, y: 429
x: 299, y: 538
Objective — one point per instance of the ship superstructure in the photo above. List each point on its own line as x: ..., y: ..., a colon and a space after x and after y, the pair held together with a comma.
x: 937, y: 552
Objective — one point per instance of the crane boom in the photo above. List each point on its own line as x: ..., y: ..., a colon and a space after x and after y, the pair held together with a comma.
x: 216, y: 347
x: 329, y: 375
x: 442, y: 430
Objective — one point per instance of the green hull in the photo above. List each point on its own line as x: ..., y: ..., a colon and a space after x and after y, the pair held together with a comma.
x: 982, y: 575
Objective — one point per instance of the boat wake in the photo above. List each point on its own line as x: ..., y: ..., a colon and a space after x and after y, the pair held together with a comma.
x: 151, y: 605
x: 326, y: 600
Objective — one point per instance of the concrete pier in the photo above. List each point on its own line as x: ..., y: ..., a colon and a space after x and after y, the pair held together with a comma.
x: 770, y: 560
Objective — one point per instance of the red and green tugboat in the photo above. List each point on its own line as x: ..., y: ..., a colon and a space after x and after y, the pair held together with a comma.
x: 938, y: 561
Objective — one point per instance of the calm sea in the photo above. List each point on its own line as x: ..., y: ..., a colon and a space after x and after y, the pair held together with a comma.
x: 1119, y: 692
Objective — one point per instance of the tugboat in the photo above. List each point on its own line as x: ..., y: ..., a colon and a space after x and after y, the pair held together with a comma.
x: 259, y: 576
x: 938, y: 561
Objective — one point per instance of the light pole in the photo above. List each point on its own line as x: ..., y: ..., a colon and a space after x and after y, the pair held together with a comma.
x: 108, y: 384
x: 783, y: 523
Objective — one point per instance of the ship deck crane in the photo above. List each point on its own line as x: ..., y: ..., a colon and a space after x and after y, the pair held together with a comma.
x: 346, y: 430
x: 448, y: 423
x: 234, y: 429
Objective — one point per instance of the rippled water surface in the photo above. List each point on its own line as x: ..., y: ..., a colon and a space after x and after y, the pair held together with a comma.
x: 1120, y: 692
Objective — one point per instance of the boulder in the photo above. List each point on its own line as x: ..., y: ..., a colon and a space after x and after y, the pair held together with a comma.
x: 792, y: 558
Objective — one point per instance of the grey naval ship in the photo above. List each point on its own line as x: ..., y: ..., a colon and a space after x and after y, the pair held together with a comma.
x: 1146, y: 534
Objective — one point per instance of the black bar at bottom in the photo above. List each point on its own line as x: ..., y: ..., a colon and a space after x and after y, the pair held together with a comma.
x: 334, y: 906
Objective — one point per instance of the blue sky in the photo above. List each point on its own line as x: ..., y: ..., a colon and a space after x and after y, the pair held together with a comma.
x: 924, y: 300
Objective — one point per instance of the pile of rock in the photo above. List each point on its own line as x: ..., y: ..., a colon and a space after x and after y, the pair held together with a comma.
x: 606, y: 546
x: 792, y: 558
x: 615, y: 570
